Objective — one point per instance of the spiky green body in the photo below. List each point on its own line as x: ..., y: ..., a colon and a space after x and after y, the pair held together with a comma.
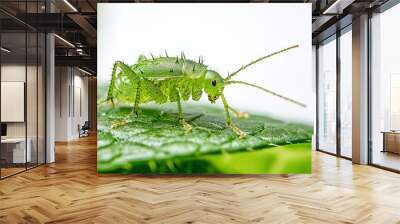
x: 173, y: 79
x: 159, y: 79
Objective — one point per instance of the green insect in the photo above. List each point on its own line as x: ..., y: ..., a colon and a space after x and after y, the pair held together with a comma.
x: 173, y: 79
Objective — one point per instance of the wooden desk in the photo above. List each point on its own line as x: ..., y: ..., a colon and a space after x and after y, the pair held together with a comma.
x: 391, y: 141
x: 16, y: 147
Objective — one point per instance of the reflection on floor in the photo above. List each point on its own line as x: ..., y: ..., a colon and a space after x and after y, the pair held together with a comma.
x: 387, y: 159
x: 10, y: 169
x: 71, y: 191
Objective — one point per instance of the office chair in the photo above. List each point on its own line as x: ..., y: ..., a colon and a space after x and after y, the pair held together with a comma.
x: 84, y: 130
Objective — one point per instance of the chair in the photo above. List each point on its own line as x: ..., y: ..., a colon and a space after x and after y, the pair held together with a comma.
x: 84, y: 130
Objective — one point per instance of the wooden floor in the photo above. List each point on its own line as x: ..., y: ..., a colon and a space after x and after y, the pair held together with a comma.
x: 387, y: 159
x: 10, y: 171
x: 70, y: 191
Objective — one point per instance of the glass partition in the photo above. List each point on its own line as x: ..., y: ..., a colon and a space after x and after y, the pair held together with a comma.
x: 13, y: 94
x: 385, y: 89
x: 22, y: 77
x: 31, y: 101
x: 327, y: 96
x: 31, y: 97
x: 41, y: 97
x: 346, y: 93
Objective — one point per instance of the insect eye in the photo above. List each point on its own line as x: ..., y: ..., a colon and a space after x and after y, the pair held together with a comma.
x: 214, y: 82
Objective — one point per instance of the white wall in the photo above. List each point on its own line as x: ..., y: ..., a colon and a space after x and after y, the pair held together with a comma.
x: 79, y: 117
x: 70, y: 83
x: 62, y: 81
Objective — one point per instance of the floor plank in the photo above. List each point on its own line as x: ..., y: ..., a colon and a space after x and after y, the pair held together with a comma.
x: 70, y: 191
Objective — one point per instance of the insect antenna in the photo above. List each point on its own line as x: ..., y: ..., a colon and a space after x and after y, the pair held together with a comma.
x: 258, y: 60
x: 166, y: 54
x: 266, y: 90
x: 152, y: 56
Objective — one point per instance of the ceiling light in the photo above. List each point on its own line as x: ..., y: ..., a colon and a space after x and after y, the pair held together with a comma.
x: 70, y: 5
x: 64, y: 40
x: 337, y: 7
x: 5, y: 50
x: 79, y: 51
x: 84, y: 71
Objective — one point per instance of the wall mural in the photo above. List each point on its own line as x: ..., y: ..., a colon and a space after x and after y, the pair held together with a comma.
x: 204, y: 88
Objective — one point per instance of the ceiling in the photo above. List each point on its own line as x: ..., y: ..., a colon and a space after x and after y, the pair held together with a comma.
x: 75, y: 22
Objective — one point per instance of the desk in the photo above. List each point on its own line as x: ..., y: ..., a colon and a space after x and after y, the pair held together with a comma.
x: 16, y: 147
x: 391, y: 141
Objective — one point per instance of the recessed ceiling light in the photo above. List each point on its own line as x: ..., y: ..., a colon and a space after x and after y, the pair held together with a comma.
x: 64, y: 40
x: 337, y: 7
x: 70, y: 5
x: 84, y: 71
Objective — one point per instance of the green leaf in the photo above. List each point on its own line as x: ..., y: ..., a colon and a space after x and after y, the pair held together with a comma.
x: 155, y: 142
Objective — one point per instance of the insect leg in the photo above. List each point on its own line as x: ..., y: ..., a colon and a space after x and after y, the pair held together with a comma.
x: 185, y: 125
x: 238, y: 114
x: 136, y: 109
x: 229, y: 119
x: 125, y: 70
x: 110, y: 93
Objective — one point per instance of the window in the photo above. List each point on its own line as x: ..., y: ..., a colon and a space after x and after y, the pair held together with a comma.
x: 385, y: 89
x: 327, y: 96
x: 346, y: 93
